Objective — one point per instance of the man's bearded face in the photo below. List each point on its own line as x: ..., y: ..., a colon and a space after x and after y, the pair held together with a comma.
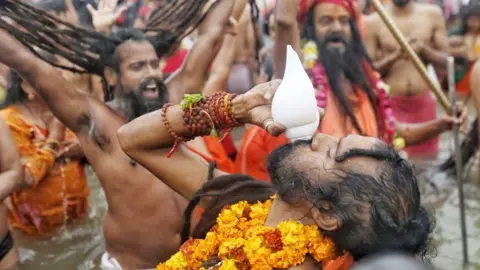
x: 150, y: 96
x: 140, y: 78
x: 400, y: 3
x: 332, y: 25
x: 346, y: 187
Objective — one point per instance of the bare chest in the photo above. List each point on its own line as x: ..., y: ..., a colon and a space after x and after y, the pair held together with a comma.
x: 419, y: 27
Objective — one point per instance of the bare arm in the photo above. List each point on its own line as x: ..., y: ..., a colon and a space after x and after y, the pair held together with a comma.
x: 475, y: 85
x: 381, y: 62
x: 11, y: 172
x: 222, y: 65
x: 68, y: 105
x: 193, y: 74
x: 438, y: 53
x: 457, y: 46
x: 287, y: 27
x: 183, y: 172
x: 418, y: 133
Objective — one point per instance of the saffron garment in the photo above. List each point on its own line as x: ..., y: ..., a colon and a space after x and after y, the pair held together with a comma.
x: 257, y: 144
x: 425, y: 109
x: 217, y: 153
x: 59, y: 193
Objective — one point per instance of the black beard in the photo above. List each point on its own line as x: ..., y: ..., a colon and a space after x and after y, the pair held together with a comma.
x: 134, y: 105
x: 344, y: 63
x: 400, y: 3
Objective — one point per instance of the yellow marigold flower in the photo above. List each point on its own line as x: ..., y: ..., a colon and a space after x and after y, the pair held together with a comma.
x: 399, y: 143
x: 239, y: 207
x: 228, y: 265
x: 176, y: 262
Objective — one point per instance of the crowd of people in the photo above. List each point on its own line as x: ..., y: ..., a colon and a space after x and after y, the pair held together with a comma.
x: 146, y: 93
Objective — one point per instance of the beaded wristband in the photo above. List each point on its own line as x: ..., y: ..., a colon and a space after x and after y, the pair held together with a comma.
x: 203, y: 116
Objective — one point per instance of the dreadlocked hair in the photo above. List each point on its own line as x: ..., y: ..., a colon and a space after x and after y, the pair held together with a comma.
x: 254, y: 16
x: 88, y: 50
x: 468, y: 148
x: 222, y: 191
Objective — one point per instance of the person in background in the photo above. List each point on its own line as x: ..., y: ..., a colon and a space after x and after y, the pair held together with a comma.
x: 58, y: 190
x: 11, y: 177
x: 412, y: 101
x: 464, y: 43
x: 241, y: 77
x: 130, y: 62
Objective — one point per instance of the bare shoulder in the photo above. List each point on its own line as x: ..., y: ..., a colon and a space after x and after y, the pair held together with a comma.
x: 372, y: 21
x: 432, y: 10
x: 476, y: 70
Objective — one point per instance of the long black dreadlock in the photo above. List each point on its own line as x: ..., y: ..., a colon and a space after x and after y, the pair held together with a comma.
x: 90, y: 51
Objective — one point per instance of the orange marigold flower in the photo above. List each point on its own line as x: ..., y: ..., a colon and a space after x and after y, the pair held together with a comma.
x: 273, y: 240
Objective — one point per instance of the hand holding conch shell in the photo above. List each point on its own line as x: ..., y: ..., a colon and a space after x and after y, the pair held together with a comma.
x: 254, y: 107
x: 287, y: 105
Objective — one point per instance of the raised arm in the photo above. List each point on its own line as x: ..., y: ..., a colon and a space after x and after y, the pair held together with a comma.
x: 222, y: 65
x: 193, y: 74
x: 68, y: 105
x: 288, y: 33
x: 147, y: 140
x: 11, y: 172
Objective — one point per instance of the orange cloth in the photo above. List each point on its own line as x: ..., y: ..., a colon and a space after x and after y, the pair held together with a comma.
x: 257, y: 144
x: 217, y: 154
x: 41, y: 209
x: 341, y: 263
x: 463, y: 86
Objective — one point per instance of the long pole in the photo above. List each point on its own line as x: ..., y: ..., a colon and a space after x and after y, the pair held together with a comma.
x: 412, y: 55
x: 458, y: 158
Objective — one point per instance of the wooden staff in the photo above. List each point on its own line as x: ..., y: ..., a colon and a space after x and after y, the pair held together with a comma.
x: 412, y: 55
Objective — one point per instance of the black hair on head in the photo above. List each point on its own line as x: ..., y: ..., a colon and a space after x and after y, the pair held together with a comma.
x: 15, y: 92
x: 378, y: 212
x: 466, y: 11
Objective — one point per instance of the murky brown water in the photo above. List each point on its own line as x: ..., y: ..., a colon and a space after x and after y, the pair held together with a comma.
x: 80, y: 246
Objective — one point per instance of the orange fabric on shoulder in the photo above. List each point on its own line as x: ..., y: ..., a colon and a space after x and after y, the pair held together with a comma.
x: 257, y: 144
x: 336, y: 124
x: 341, y: 263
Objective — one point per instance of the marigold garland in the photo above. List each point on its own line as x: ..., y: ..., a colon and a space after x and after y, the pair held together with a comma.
x: 241, y: 241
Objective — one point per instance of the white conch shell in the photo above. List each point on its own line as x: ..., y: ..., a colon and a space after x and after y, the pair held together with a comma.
x: 294, y: 104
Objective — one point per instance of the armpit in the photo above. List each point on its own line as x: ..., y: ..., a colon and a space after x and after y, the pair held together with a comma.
x: 97, y: 136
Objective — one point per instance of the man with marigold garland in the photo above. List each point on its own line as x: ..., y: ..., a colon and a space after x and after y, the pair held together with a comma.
x: 355, y: 195
x: 355, y: 100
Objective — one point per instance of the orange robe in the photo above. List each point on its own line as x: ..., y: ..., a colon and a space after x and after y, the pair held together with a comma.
x: 257, y: 144
x: 59, y: 193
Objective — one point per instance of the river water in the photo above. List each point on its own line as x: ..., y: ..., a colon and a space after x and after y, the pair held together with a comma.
x: 80, y: 245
